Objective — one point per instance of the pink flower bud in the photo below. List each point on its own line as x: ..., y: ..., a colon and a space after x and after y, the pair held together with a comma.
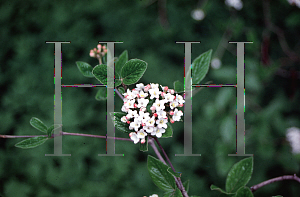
x: 149, y: 86
x: 172, y: 121
x: 98, y: 51
x: 152, y: 108
x: 180, y: 105
x: 92, y: 54
x: 128, y: 122
x: 143, y: 124
x: 135, y: 105
x: 171, y: 113
x: 99, y: 46
x: 146, y: 89
x: 162, y: 94
x: 143, y: 141
x: 166, y: 88
x: 130, y: 134
x: 95, y: 49
x: 155, y: 114
x: 171, y: 91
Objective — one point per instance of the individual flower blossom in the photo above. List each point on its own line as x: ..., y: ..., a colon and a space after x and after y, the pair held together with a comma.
x: 143, y: 94
x: 169, y: 97
x: 154, y: 93
x: 129, y: 95
x: 133, y: 136
x: 198, y: 14
x: 135, y: 124
x: 129, y: 104
x: 143, y: 117
x: 158, y: 132
x: 159, y: 105
x: 140, y: 86
x: 142, y: 102
x: 237, y: 4
x: 293, y: 137
x: 161, y: 114
x: 141, y: 134
x: 179, y: 99
x: 177, y: 114
x: 123, y: 119
x: 154, y: 86
x: 173, y: 104
x: 150, y: 122
x: 162, y: 123
x: 131, y: 114
x: 148, y: 129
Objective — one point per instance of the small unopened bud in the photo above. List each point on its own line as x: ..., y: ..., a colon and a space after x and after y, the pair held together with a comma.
x: 155, y: 114
x: 99, y: 46
x: 152, y: 108
x: 92, y: 54
x: 143, y: 141
x: 135, y: 105
x: 128, y: 122
x: 171, y: 113
x: 180, y: 105
x: 171, y: 91
x: 166, y: 88
x: 172, y: 121
x: 162, y: 94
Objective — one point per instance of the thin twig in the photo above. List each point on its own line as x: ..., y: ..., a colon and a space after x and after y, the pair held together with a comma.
x: 21, y: 136
x: 281, y: 178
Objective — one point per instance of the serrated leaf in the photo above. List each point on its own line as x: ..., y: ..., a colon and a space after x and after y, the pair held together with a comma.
x: 31, y: 142
x: 144, y: 147
x: 133, y: 70
x: 123, y: 58
x: 100, y: 72
x: 178, y: 86
x: 200, y: 66
x: 239, y: 175
x: 186, y: 185
x: 244, y: 192
x: 85, y: 69
x: 38, y: 124
x: 168, y: 132
x: 159, y: 174
x: 101, y: 94
x: 116, y: 118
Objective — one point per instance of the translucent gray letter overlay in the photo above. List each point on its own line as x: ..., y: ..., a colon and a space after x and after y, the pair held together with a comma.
x: 240, y: 121
x: 57, y: 101
x: 188, y: 144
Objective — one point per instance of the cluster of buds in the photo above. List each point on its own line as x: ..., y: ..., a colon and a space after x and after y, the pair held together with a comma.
x: 164, y: 108
x: 99, y: 52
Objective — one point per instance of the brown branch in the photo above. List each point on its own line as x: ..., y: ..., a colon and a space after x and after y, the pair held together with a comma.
x: 281, y: 178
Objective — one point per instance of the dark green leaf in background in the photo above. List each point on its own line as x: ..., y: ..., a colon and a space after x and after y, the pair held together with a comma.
x: 85, y: 69
x: 101, y: 94
x: 31, y: 142
x: 123, y: 58
x: 122, y: 126
x: 144, y: 147
x: 244, y: 192
x: 38, y: 124
x: 200, y: 66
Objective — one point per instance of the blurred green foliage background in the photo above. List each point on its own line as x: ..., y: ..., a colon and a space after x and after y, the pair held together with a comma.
x: 148, y: 30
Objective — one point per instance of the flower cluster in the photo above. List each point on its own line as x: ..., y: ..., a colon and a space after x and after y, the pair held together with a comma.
x: 162, y: 106
x: 99, y: 52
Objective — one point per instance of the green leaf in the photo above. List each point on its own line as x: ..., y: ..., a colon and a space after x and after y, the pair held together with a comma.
x: 50, y: 131
x: 159, y: 174
x: 239, y: 175
x: 144, y: 147
x: 123, y: 58
x: 244, y: 192
x: 122, y: 126
x: 176, y: 174
x: 121, y: 90
x: 177, y: 193
x: 168, y: 132
x: 151, y: 101
x: 186, y: 185
x: 101, y: 94
x: 100, y: 72
x: 200, y: 66
x: 85, y: 69
x: 31, y: 142
x: 213, y: 187
x: 277, y: 196
x: 38, y: 124
x: 133, y: 70
x: 178, y: 86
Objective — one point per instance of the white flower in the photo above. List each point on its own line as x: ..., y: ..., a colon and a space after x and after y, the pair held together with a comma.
x: 131, y: 114
x: 140, y: 86
x: 144, y: 117
x: 148, y: 129
x: 133, y: 136
x: 142, y: 102
x: 142, y: 94
x: 161, y: 114
x: 177, y: 115
x: 123, y: 119
x: 141, y: 134
x: 129, y: 94
x: 198, y: 14
x: 154, y: 86
x: 154, y: 93
x: 129, y: 104
x: 161, y: 123
x: 150, y: 121
x: 173, y: 104
x: 135, y: 124
x: 293, y: 136
x: 154, y: 195
x: 124, y: 109
x: 159, y: 105
x: 237, y: 4
x: 169, y: 97
x: 179, y: 99
x: 158, y: 132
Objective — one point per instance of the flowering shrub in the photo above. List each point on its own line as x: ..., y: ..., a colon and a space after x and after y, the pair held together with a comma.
x: 161, y: 104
